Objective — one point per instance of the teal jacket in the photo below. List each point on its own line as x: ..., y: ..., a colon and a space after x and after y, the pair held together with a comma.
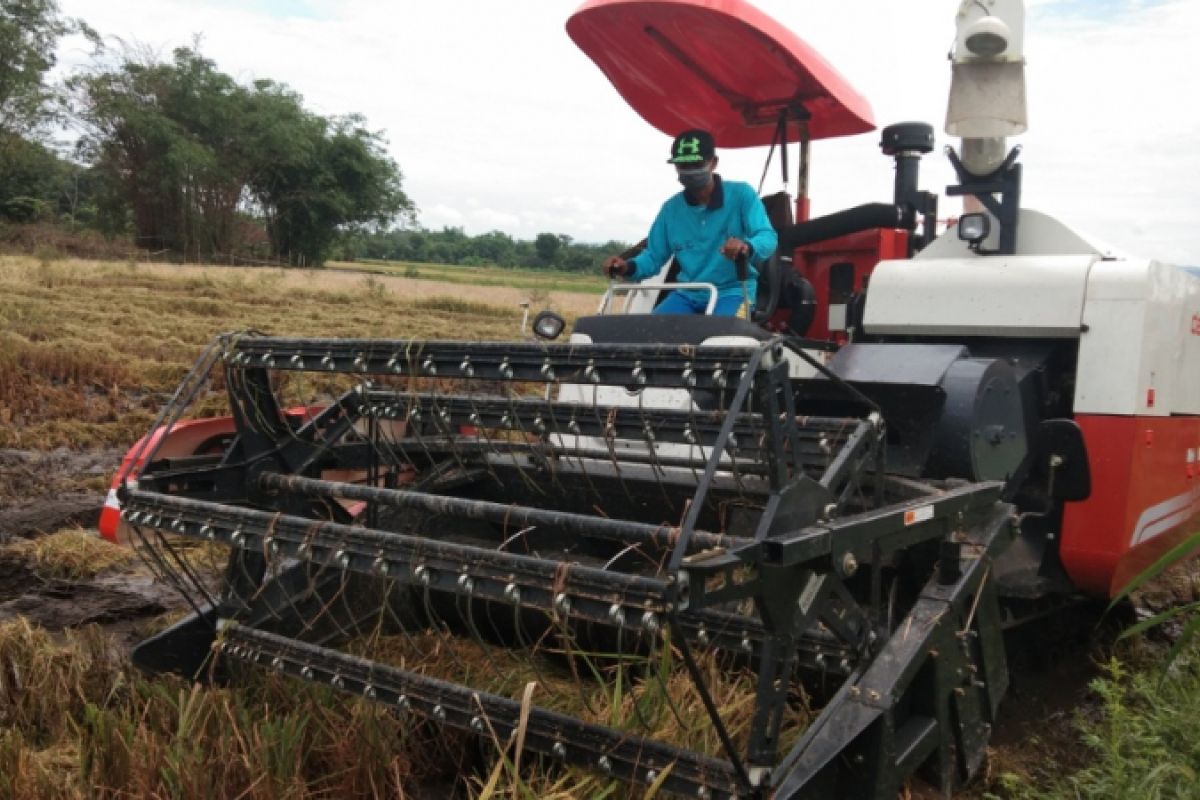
x: 694, y: 235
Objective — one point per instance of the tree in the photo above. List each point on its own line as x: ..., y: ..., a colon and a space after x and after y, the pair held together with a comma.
x: 547, y: 246
x: 29, y: 33
x: 193, y: 154
x: 338, y: 180
x: 32, y: 177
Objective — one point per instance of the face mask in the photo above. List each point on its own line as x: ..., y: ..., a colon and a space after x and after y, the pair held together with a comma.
x: 696, y: 178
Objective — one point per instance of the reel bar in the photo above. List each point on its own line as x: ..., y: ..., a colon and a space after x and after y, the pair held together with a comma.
x: 618, y: 753
x: 662, y: 365
x: 512, y: 517
x: 560, y: 587
x: 451, y: 414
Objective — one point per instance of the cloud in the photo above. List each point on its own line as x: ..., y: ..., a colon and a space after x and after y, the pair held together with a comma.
x: 492, y: 101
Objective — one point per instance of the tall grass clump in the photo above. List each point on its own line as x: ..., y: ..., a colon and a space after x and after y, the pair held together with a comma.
x: 77, y: 721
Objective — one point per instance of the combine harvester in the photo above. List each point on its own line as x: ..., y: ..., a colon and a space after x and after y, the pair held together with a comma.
x: 857, y: 493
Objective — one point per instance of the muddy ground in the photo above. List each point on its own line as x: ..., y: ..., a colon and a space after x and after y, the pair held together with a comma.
x: 41, y: 493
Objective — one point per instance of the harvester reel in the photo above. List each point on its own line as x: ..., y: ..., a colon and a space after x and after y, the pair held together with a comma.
x: 518, y: 497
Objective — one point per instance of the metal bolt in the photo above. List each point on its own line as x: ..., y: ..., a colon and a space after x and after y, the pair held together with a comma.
x: 562, y: 603
x: 513, y: 592
x: 404, y: 703
x: 829, y: 510
x: 439, y: 713
x: 306, y: 673
x: 393, y: 365
x: 548, y: 370
x: 651, y: 776
x: 689, y: 377
x: 849, y: 564
x: 617, y: 615
x: 369, y: 692
x: 650, y: 622
x: 380, y: 566
x: 236, y: 538
x: 297, y: 361
x: 429, y: 367
x: 747, y: 645
x: 702, y: 635
x: 343, y: 558
x: 873, y: 696
x: 466, y: 369
x: 703, y: 793
x: 559, y: 750
x: 506, y: 370
x: 719, y: 377
x: 337, y: 682
x: 466, y: 584
x: 277, y: 663
x: 605, y: 765
x: 421, y: 573
x: 477, y: 724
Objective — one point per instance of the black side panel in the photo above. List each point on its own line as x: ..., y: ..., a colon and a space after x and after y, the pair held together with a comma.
x: 665, y: 328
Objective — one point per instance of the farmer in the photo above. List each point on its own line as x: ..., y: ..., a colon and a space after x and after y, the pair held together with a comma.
x: 706, y: 227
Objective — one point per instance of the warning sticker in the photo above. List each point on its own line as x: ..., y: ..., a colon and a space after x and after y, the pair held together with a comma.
x: 913, y: 516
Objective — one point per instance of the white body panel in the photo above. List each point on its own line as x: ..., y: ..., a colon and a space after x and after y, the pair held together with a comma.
x: 1008, y: 296
x: 1140, y: 353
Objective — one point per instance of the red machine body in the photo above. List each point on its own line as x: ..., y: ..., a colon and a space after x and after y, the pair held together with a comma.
x: 840, y: 270
x: 1145, y: 498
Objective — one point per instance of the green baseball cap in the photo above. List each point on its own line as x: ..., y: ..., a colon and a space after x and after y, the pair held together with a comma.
x: 692, y: 147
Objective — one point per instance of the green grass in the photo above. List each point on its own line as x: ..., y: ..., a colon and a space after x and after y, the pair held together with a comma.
x: 537, y: 280
x: 1141, y: 740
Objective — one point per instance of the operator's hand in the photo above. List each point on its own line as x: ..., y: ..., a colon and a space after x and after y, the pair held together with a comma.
x: 734, y: 247
x: 617, y: 267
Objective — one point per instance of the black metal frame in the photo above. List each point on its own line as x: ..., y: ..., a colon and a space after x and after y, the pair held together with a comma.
x: 811, y: 563
x: 1005, y: 181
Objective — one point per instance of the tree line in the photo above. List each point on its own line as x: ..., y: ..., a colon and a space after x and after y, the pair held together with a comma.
x: 451, y: 245
x: 182, y: 159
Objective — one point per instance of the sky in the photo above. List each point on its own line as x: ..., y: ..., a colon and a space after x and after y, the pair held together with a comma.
x: 487, y: 105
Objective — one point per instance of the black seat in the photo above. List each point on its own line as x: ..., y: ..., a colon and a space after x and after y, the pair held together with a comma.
x: 779, y: 285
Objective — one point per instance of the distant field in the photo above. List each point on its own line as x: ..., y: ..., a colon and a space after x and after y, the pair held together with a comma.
x: 483, y: 276
x: 90, y: 350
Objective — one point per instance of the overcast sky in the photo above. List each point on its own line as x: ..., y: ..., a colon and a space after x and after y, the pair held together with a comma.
x: 499, y: 122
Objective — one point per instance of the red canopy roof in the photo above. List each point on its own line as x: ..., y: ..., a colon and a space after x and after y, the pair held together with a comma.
x: 721, y: 65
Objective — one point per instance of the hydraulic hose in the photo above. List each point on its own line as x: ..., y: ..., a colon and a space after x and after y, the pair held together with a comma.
x: 852, y: 220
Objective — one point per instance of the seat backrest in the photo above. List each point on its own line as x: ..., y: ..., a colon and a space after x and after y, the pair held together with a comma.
x: 779, y: 210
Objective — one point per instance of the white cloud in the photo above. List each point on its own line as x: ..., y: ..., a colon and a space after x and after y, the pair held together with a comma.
x: 492, y: 101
